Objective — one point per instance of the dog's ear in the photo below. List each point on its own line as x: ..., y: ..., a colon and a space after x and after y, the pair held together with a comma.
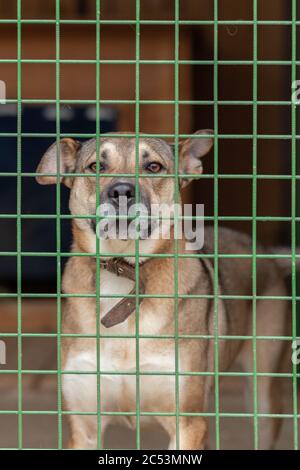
x: 190, y: 153
x: 67, y: 157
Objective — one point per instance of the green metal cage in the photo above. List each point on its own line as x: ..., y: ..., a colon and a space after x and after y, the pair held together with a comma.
x: 254, y: 177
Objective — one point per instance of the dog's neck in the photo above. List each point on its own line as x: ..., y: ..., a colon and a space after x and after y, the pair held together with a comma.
x: 113, y: 258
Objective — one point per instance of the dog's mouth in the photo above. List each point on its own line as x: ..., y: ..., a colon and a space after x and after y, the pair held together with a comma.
x: 93, y: 224
x: 124, y: 221
x: 119, y: 227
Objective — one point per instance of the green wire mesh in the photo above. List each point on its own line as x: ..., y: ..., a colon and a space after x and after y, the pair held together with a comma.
x: 216, y: 176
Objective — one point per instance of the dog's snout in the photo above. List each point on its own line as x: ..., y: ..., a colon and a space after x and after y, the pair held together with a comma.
x: 121, y: 189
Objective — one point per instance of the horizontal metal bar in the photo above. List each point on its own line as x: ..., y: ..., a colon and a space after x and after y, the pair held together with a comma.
x: 147, y: 255
x: 142, y: 336
x: 205, y: 218
x: 148, y: 413
x: 157, y: 22
x: 163, y: 102
x: 146, y: 62
x: 162, y: 136
x: 38, y: 295
x: 145, y: 175
x: 148, y: 373
x: 155, y: 255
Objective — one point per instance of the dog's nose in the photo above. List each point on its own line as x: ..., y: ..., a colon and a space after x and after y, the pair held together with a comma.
x: 122, y: 190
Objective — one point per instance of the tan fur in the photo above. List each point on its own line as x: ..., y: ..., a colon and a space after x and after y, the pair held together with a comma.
x: 157, y: 315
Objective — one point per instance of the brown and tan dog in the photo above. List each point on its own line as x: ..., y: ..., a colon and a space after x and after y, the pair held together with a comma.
x: 196, y: 316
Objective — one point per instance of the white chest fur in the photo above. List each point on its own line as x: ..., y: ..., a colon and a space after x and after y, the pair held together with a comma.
x: 110, y: 285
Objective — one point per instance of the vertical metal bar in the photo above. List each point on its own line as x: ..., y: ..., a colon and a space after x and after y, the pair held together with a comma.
x: 216, y: 226
x: 58, y: 234
x: 19, y: 222
x: 177, y: 199
x: 98, y: 249
x: 293, y: 214
x: 254, y: 225
x: 137, y: 248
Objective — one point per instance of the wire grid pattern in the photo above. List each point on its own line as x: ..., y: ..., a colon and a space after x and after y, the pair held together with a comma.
x: 216, y: 176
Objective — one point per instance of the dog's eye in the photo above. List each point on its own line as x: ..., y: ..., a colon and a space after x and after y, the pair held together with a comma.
x: 154, y: 167
x: 93, y: 167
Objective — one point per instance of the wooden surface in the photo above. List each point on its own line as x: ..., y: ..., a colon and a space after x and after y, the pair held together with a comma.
x: 235, y: 83
x: 110, y: 9
x: 38, y: 316
x: 117, y: 81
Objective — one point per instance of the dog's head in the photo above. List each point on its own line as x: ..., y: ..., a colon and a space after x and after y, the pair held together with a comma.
x: 117, y: 170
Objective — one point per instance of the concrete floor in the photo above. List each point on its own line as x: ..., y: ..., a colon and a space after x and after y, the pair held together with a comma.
x: 40, y: 431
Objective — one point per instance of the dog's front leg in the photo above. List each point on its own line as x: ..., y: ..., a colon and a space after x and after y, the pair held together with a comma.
x: 192, y: 434
x: 84, y: 432
x: 80, y: 400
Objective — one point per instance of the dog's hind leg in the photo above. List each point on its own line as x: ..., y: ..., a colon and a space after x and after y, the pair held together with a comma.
x: 272, y: 319
x: 268, y: 402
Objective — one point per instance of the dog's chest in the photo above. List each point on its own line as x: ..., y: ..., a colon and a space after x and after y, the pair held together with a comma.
x: 114, y: 287
x: 117, y: 359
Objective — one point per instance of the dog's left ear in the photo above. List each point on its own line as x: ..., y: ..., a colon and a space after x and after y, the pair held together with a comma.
x: 190, y: 153
x: 68, y: 149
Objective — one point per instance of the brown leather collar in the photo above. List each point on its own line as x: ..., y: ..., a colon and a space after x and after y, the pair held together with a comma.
x: 125, y: 307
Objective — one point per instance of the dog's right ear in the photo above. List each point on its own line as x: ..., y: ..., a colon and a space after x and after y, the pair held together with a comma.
x: 67, y: 158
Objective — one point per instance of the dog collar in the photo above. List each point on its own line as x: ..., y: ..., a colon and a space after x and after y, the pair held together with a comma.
x: 125, y: 307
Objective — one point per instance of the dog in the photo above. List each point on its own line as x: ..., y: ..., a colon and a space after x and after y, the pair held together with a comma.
x: 203, y: 309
